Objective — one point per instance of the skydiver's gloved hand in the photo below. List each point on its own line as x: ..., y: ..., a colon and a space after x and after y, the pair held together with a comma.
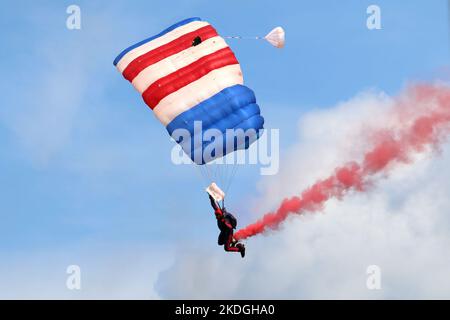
x: 213, y: 202
x: 217, y: 211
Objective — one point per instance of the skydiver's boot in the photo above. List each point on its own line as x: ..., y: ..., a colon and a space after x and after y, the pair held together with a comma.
x: 241, y: 248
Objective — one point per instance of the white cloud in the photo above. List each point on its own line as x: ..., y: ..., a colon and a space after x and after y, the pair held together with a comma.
x: 401, y: 225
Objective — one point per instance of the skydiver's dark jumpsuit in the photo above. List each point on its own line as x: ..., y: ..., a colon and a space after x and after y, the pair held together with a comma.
x: 226, y: 229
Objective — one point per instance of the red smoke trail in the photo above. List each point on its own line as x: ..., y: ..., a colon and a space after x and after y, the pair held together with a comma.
x: 421, y: 117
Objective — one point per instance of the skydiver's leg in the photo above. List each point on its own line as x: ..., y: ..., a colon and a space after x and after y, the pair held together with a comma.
x: 228, y: 245
x: 222, y: 238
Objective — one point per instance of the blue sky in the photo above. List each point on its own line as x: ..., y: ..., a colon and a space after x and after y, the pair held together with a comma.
x: 86, y: 166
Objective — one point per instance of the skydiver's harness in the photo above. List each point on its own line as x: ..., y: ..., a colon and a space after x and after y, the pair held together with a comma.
x: 229, y: 218
x: 222, y: 213
x: 225, y: 214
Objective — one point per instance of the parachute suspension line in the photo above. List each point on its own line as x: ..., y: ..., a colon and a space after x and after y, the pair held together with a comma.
x: 228, y: 169
x: 276, y: 37
x: 219, y: 171
x: 201, y: 172
x: 231, y: 178
x: 204, y: 173
x: 224, y: 171
x: 209, y: 172
x: 226, y: 179
x: 221, y: 167
x: 212, y: 171
x: 244, y: 38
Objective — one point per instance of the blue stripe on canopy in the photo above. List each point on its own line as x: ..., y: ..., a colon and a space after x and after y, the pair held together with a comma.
x: 232, y: 108
x: 172, y: 27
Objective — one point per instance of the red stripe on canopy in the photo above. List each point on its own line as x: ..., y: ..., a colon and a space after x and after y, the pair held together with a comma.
x: 182, y: 43
x: 186, y: 75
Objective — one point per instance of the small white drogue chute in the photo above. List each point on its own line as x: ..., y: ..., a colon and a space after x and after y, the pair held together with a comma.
x: 275, y: 37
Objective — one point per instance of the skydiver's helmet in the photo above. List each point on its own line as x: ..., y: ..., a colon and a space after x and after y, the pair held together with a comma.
x: 230, y: 218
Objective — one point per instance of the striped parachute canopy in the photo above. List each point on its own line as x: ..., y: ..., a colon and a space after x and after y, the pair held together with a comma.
x: 191, y: 80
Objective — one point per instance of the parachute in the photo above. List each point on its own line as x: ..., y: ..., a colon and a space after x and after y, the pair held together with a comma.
x: 191, y: 79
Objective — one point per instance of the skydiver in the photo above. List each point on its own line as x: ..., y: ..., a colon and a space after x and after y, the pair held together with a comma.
x: 226, y: 223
